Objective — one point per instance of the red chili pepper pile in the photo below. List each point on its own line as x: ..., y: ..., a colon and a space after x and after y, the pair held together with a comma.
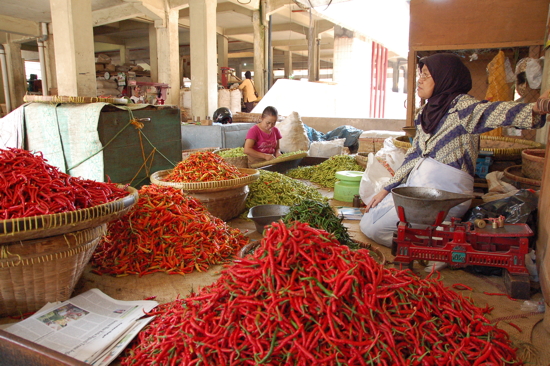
x: 203, y: 167
x: 31, y: 187
x: 303, y: 299
x: 166, y: 231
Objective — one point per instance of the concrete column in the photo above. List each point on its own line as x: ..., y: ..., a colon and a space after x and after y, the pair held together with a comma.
x: 223, y: 50
x: 153, y: 58
x: 288, y: 64
x: 17, y: 80
x: 202, y: 17
x: 124, y: 55
x: 259, y: 53
x: 168, y: 52
x: 50, y: 59
x: 313, y: 51
x: 239, y: 70
x: 74, y: 47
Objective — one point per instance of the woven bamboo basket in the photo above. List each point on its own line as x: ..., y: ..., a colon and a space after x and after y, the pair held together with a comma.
x: 361, y: 158
x: 515, y: 176
x: 252, y: 175
x: 239, y: 162
x: 38, y: 271
x: 185, y: 153
x: 279, y: 159
x: 376, y: 254
x: 247, y: 117
x: 56, y: 224
x: 532, y: 163
x: 226, y: 204
x: 501, y: 147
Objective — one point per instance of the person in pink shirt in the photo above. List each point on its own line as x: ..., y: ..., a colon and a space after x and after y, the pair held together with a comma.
x: 262, y: 140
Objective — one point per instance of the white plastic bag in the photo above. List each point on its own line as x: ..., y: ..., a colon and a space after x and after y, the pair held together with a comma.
x: 374, y: 178
x: 326, y: 149
x: 391, y: 155
x: 294, y: 134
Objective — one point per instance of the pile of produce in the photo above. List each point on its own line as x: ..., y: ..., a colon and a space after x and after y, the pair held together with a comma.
x: 320, y: 215
x: 304, y: 299
x: 236, y: 152
x: 29, y: 186
x: 166, y: 231
x: 203, y: 167
x: 325, y: 173
x: 274, y: 188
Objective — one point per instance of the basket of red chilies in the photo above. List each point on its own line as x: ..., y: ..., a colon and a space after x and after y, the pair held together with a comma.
x: 50, y: 225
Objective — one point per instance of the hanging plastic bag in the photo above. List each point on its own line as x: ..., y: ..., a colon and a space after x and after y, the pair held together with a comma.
x: 374, y: 178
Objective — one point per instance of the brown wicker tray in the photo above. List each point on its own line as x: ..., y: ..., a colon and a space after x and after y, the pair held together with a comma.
x: 210, y: 186
x: 514, y: 173
x: 280, y: 159
x: 43, y: 226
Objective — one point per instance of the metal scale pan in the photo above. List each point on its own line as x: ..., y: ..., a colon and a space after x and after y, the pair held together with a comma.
x: 428, y: 206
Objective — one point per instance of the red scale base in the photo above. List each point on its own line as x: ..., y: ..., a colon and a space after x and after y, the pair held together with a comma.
x: 461, y: 244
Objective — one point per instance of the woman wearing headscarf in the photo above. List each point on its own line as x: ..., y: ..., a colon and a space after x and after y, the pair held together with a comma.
x: 444, y: 151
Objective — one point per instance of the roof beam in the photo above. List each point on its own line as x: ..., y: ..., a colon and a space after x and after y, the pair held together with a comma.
x: 285, y: 27
x: 19, y: 26
x: 115, y: 14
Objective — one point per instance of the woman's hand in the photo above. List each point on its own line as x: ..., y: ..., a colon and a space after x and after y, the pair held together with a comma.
x: 376, y: 199
x: 542, y: 105
x: 269, y: 157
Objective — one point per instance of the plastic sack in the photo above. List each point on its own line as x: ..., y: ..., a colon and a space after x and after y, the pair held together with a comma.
x: 349, y: 133
x: 374, y: 178
x: 326, y: 149
x: 390, y: 155
x: 533, y: 72
x: 294, y: 134
x: 519, y: 208
x: 532, y: 306
x: 313, y: 134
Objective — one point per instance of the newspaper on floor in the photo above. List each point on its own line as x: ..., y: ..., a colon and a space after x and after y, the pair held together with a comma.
x: 91, y: 327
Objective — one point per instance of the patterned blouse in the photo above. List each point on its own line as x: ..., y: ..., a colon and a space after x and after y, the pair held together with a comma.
x: 455, y: 141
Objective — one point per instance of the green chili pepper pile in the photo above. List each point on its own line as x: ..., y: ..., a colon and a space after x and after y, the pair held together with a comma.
x: 325, y: 173
x: 320, y: 216
x: 304, y: 299
x: 236, y: 152
x: 277, y: 189
x: 203, y: 167
x: 166, y: 231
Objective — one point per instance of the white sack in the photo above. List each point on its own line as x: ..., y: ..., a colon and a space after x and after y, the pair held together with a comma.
x: 326, y: 149
x: 294, y: 134
x: 374, y: 179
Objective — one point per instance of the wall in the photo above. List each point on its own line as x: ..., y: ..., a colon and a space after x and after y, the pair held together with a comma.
x: 325, y: 125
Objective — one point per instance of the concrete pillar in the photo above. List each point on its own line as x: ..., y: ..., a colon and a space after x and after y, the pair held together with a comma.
x: 168, y: 52
x: 124, y: 55
x: 313, y: 51
x: 239, y: 71
x: 259, y: 53
x: 288, y: 64
x: 50, y: 60
x: 153, y: 58
x: 223, y: 50
x: 74, y: 47
x: 17, y: 80
x: 202, y: 17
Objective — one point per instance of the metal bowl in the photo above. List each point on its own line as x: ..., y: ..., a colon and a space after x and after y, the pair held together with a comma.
x: 427, y: 206
x: 264, y: 215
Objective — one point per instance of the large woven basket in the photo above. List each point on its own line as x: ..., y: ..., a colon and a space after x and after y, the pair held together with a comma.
x: 239, y: 161
x: 226, y: 204
x: 56, y: 224
x: 159, y: 178
x: 362, y: 158
x: 515, y: 176
x: 532, y: 163
x: 38, y: 271
x: 501, y: 147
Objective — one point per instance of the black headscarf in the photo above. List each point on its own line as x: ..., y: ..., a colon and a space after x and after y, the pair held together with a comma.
x: 451, y: 78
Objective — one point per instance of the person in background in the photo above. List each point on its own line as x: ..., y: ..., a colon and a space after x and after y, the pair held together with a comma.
x: 249, y: 92
x: 444, y: 151
x: 262, y: 140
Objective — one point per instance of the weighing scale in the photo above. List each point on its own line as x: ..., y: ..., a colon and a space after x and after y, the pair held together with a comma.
x: 421, y: 235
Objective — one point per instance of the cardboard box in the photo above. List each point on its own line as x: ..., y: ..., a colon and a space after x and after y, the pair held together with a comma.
x: 99, y: 67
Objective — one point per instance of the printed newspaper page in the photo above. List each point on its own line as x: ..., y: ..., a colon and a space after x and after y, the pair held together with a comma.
x: 85, y: 326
